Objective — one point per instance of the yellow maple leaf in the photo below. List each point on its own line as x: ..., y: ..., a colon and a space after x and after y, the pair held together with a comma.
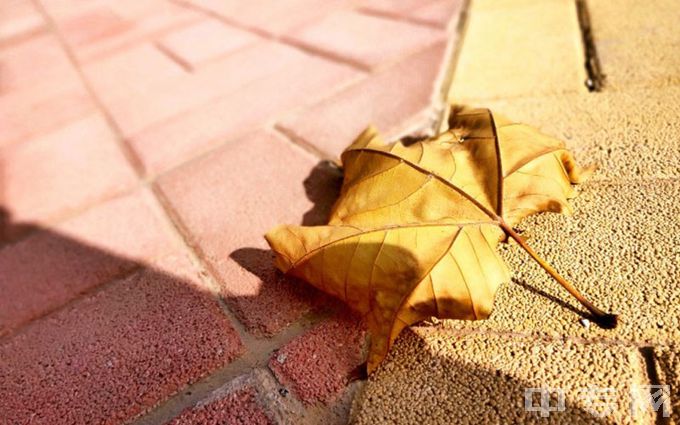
x: 414, y: 231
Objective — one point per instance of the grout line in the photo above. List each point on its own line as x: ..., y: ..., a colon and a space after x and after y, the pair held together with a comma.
x: 190, y: 395
x: 59, y: 219
x: 273, y: 37
x: 304, y: 47
x: 136, y: 267
x: 156, y: 34
x: 268, y: 125
x: 186, y: 66
x: 22, y: 37
x: 180, y: 233
x: 321, y: 52
x: 394, y: 16
x: 257, y: 349
x: 212, y: 14
x: 126, y: 149
x: 300, y: 142
x: 649, y: 360
x: 595, y: 81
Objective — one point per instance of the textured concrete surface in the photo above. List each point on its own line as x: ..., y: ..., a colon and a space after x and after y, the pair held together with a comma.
x: 433, y: 376
x: 668, y: 367
x: 516, y: 48
x: 628, y: 135
x: 618, y: 248
x: 636, y: 41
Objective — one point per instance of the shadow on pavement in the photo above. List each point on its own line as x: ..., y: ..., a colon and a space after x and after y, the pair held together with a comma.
x: 92, y: 336
x: 417, y: 385
x: 88, y: 335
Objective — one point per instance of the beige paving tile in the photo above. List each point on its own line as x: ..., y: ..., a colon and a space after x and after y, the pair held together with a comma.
x: 634, y: 134
x: 519, y: 48
x: 437, y: 377
x: 621, y: 248
x: 637, y: 42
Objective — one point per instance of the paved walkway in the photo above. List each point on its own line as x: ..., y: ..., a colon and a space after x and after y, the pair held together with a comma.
x: 146, y: 147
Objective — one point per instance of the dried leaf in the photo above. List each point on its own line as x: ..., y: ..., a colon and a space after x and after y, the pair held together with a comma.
x: 414, y: 231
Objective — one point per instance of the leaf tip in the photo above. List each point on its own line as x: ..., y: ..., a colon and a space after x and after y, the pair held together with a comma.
x: 607, y: 321
x: 278, y: 242
x: 359, y: 373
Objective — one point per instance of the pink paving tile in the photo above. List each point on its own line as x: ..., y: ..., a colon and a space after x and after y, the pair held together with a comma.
x: 440, y: 13
x: 300, y: 82
x: 53, y: 266
x: 317, y: 365
x: 131, y: 73
x: 18, y: 19
x: 173, y: 97
x: 34, y: 60
x: 113, y: 355
x: 92, y: 25
x: 39, y: 90
x: 41, y: 107
x: 393, y: 7
x: 122, y: 24
x: 228, y: 200
x: 370, y: 41
x: 272, y: 17
x: 205, y: 41
x: 62, y: 172
x: 433, y: 12
x: 389, y: 99
x: 239, y: 407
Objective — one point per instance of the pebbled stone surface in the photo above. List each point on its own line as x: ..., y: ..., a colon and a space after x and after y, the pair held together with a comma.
x: 668, y: 368
x: 519, y: 48
x: 629, y: 135
x: 635, y: 42
x: 619, y: 248
x: 436, y: 376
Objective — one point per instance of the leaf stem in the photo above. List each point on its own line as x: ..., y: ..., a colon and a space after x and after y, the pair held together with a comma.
x: 606, y: 320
